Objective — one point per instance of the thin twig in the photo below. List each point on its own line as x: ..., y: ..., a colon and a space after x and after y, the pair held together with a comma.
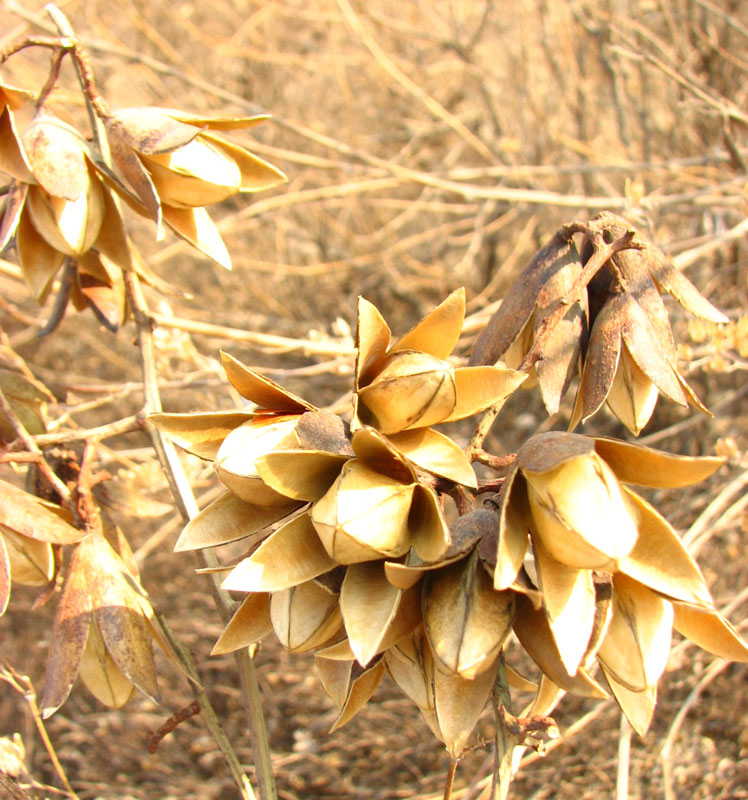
x: 31, y: 446
x: 22, y: 684
x: 188, y: 508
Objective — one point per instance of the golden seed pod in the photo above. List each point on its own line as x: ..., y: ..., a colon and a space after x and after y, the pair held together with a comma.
x: 412, y: 389
x: 67, y: 205
x: 376, y: 614
x: 235, y: 459
x: 466, y: 620
x: 30, y: 562
x: 348, y: 684
x: 305, y: 617
x: 408, y: 384
x: 581, y: 513
x: 364, y: 515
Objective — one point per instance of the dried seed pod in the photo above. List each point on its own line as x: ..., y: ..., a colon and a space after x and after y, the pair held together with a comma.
x: 631, y: 357
x: 466, y: 620
x: 304, y: 617
x: 103, y: 626
x: 511, y: 331
x: 176, y: 165
x: 409, y: 384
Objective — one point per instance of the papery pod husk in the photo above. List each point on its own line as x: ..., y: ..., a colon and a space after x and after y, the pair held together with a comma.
x: 675, y: 283
x: 600, y: 362
x: 534, y: 633
x: 200, y: 433
x: 148, y: 129
x: 653, y: 263
x: 364, y: 515
x: 372, y: 339
x: 196, y: 174
x: 547, y: 697
x: 131, y: 168
x: 632, y: 396
x: 466, y: 620
x: 570, y: 603
x: 640, y: 337
x: 113, y: 244
x: 411, y: 390
x: 515, y: 520
x: 363, y: 682
x: 57, y: 155
x: 15, y: 200
x: 520, y: 301
x: 39, y: 261
x: 70, y: 226
x: 407, y: 663
x: 439, y: 331
x: 708, y: 629
x: 13, y: 160
x: 482, y: 387
x: 304, y: 475
x: 427, y: 529
x: 637, y: 707
x: 335, y: 676
x: 101, y: 675
x: 195, y: 226
x: 118, y: 613
x: 250, y: 623
x: 517, y: 681
x: 375, y: 613
x: 637, y: 643
x: 304, y: 617
x: 660, y: 561
x: 457, y: 704
x: 92, y: 288
x: 580, y: 511
x: 13, y: 96
x: 229, y: 518
x: 261, y: 390
x: 291, y: 555
x: 69, y: 634
x: 31, y: 562
x: 235, y: 460
x: 217, y: 123
x: 437, y: 453
x: 561, y: 352
x: 29, y: 516
x: 645, y: 466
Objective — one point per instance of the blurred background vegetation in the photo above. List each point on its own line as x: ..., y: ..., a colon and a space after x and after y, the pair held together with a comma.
x: 429, y: 144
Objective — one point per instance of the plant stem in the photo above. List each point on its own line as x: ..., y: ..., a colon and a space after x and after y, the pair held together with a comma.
x: 506, y: 741
x: 187, y: 505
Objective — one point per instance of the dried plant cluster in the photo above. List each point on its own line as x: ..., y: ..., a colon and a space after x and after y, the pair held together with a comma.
x: 365, y: 569
x: 374, y: 537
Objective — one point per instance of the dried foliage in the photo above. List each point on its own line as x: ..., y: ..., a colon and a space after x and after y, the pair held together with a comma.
x: 365, y: 525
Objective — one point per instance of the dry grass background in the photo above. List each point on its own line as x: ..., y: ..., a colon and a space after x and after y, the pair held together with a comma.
x: 429, y: 144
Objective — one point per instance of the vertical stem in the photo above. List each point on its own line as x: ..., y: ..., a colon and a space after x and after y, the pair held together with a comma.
x: 506, y: 741
x: 449, y: 782
x: 624, y: 758
x: 187, y: 505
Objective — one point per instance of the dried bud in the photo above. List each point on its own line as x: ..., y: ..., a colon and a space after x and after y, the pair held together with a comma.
x: 176, y: 165
x: 102, y: 631
x: 511, y: 331
x: 304, y: 617
x: 409, y: 384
